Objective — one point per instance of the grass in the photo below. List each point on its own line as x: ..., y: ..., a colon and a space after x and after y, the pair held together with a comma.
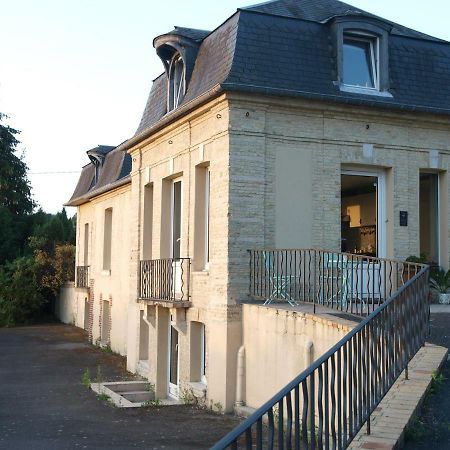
x: 427, y: 427
x: 86, y: 378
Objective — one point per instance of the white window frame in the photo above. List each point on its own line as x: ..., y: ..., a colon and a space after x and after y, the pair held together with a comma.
x: 380, y: 174
x: 207, y: 214
x: 172, y: 214
x: 374, y: 57
x: 203, y: 354
x: 173, y: 390
x: 175, y: 96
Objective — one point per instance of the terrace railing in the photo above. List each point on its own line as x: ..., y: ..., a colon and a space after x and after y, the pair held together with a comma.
x: 82, y: 276
x: 347, y: 282
x: 326, y: 405
x: 165, y: 280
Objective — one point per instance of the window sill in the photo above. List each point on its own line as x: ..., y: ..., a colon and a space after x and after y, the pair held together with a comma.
x: 364, y: 91
x: 204, y: 272
x: 105, y: 273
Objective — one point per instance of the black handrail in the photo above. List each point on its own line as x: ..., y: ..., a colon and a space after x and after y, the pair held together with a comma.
x: 356, y: 284
x: 165, y: 279
x: 82, y: 279
x: 328, y: 403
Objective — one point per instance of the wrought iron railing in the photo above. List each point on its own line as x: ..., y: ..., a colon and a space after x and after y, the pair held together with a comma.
x: 326, y: 405
x: 165, y: 279
x: 347, y: 282
x: 82, y: 277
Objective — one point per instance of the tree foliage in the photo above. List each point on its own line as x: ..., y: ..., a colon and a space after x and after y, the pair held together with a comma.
x: 15, y: 189
x: 37, y: 251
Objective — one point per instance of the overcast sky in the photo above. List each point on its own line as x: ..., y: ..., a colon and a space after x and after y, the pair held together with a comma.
x: 75, y: 74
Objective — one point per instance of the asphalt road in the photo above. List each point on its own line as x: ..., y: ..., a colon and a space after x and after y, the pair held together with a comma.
x: 43, y: 404
x: 431, y: 428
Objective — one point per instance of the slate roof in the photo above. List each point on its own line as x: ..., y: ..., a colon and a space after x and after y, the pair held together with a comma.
x: 284, y: 47
x: 190, y: 33
x: 115, y: 171
x: 322, y: 11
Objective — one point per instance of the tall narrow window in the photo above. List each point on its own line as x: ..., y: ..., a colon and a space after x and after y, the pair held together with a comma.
x: 429, y: 216
x: 207, y: 192
x: 86, y: 245
x: 202, y: 216
x: 203, y: 353
x: 148, y: 222
x: 177, y: 84
x: 107, y: 238
x: 360, y: 61
x: 176, y: 220
x: 198, y: 352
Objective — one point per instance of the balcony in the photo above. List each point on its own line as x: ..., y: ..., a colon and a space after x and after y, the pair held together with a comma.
x: 82, y: 277
x: 165, y: 281
x: 350, y: 283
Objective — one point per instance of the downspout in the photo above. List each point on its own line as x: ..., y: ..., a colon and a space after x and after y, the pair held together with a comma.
x: 240, y: 377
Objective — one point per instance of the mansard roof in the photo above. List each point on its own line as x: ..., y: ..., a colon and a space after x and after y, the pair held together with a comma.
x: 321, y: 11
x: 114, y: 171
x: 285, y: 48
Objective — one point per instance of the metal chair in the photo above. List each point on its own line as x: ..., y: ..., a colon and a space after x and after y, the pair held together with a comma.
x: 279, y: 282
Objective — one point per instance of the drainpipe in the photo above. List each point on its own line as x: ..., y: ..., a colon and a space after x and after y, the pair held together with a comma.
x: 240, y: 377
x: 144, y: 317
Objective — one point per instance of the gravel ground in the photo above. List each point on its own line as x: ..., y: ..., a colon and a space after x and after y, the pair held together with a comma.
x: 431, y: 428
x: 43, y: 404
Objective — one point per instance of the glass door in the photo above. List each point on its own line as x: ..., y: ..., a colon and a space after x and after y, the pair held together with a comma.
x: 173, y: 362
x: 363, y: 231
x: 363, y: 213
x: 176, y: 236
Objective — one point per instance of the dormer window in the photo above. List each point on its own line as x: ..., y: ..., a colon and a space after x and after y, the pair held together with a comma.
x: 360, y: 61
x: 362, y: 55
x: 177, y: 82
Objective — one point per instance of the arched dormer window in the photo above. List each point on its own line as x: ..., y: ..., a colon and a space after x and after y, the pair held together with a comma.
x: 178, y: 51
x: 177, y: 82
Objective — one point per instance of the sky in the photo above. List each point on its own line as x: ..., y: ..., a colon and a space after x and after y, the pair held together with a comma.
x: 76, y: 73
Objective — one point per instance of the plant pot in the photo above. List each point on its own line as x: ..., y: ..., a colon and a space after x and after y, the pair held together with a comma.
x: 444, y: 299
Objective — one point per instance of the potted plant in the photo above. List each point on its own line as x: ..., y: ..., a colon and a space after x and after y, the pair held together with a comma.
x: 440, y: 284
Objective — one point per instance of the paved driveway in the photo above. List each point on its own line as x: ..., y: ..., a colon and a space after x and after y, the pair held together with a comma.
x: 43, y: 404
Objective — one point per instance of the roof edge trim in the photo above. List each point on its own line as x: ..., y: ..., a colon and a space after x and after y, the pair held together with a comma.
x: 96, y: 192
x: 171, y: 117
x: 238, y: 87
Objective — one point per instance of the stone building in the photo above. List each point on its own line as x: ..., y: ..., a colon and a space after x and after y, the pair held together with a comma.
x: 294, y: 124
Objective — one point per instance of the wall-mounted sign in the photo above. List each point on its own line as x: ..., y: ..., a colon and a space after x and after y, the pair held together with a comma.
x: 403, y: 218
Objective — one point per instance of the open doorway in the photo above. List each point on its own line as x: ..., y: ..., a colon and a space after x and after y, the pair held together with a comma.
x: 143, y: 364
x: 362, y: 213
x: 429, y: 216
x: 173, y: 362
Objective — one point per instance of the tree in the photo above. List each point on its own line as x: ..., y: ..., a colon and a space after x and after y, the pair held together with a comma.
x: 15, y: 189
x: 16, y: 204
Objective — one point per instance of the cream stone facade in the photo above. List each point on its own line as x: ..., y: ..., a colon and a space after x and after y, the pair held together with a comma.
x: 166, y: 242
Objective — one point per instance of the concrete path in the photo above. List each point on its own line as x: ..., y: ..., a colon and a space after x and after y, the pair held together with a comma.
x: 44, y: 406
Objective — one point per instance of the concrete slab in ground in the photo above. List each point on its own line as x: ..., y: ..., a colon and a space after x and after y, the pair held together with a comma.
x: 44, y: 406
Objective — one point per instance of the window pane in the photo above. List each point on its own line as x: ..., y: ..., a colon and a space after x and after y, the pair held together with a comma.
x: 176, y: 220
x: 358, y: 63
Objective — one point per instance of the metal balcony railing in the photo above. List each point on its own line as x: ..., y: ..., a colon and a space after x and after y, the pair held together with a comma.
x: 325, y: 406
x: 347, y: 282
x: 82, y: 277
x: 165, y: 280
